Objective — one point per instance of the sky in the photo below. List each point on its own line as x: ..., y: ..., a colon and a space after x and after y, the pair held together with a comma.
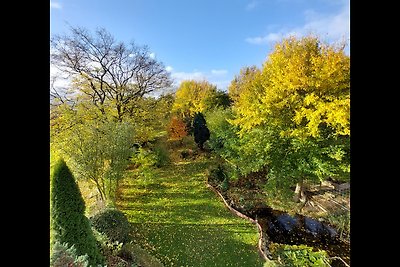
x: 206, y: 39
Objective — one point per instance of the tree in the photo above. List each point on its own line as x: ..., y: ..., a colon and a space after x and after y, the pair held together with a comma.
x: 302, y: 100
x: 200, y: 130
x: 98, y: 151
x: 242, y: 81
x: 305, y: 85
x: 220, y: 99
x: 110, y: 73
x: 150, y: 116
x: 68, y: 221
x: 191, y: 97
x: 177, y: 129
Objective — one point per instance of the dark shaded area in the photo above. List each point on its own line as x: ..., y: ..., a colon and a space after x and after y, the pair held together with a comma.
x: 201, y: 132
x: 283, y: 228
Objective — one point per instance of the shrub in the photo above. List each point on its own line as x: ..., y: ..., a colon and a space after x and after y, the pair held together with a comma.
x: 162, y: 156
x: 68, y: 222
x: 188, y: 154
x: 200, y: 130
x: 62, y: 255
x: 341, y: 220
x: 300, y: 255
x: 177, y: 129
x: 270, y: 263
x: 218, y: 177
x: 113, y: 224
x: 145, y: 159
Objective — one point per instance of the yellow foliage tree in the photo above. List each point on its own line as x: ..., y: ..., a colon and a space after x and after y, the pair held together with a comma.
x: 191, y: 97
x: 301, y: 103
x: 304, y: 85
x: 243, y: 81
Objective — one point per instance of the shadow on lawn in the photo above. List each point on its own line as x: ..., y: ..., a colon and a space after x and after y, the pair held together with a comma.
x: 182, y: 223
x: 177, y: 244
x: 177, y: 211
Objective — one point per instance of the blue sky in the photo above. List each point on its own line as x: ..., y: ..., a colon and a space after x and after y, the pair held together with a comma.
x: 206, y: 39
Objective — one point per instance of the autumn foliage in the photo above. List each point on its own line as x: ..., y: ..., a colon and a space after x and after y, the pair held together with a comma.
x: 176, y: 129
x: 193, y: 96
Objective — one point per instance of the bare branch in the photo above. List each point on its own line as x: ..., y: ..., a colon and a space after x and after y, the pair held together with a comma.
x: 112, y: 70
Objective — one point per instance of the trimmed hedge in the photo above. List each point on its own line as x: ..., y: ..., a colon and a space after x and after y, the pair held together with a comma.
x: 112, y: 223
x: 68, y: 221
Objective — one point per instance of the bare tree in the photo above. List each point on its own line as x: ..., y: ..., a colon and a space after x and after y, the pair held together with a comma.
x: 110, y: 72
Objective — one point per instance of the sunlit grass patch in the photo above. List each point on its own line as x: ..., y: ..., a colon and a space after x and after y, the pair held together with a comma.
x: 182, y: 223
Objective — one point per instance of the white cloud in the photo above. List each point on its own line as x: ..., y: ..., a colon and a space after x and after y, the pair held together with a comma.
x: 215, y: 76
x: 169, y: 68
x: 222, y: 84
x: 152, y: 55
x: 219, y: 72
x: 60, y: 79
x: 181, y: 76
x: 55, y: 5
x: 333, y: 27
x: 269, y: 38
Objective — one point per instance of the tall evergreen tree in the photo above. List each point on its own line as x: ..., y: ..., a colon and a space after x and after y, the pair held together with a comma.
x: 68, y: 221
x: 200, y: 130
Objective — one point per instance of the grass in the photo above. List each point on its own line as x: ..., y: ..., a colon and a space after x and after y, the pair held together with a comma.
x: 182, y: 223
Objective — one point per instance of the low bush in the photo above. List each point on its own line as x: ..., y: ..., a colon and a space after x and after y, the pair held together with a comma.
x: 64, y: 255
x: 162, y: 156
x: 113, y: 224
x: 299, y: 256
x: 188, y: 154
x: 341, y: 220
x: 217, y: 174
x: 145, y: 160
x: 218, y: 177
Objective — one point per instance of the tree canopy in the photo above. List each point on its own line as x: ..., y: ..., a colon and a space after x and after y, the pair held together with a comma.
x: 241, y: 82
x: 192, y: 97
x: 108, y: 72
x: 292, y: 116
x: 304, y: 86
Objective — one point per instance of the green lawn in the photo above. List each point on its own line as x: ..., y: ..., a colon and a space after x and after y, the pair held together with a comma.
x: 181, y: 222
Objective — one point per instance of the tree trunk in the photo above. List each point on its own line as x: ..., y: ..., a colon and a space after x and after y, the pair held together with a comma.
x: 102, y: 197
x: 299, y: 195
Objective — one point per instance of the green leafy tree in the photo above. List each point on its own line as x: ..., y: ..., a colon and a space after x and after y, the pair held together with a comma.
x: 98, y: 151
x: 243, y: 154
x: 220, y: 99
x: 68, y: 221
x: 150, y: 116
x: 98, y: 147
x: 200, y: 130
